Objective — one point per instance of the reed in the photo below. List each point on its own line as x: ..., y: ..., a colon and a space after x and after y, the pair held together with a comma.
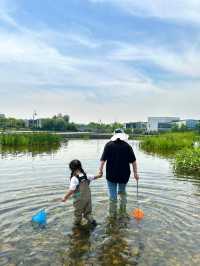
x: 28, y: 139
x: 187, y: 161
x: 168, y: 143
x: 179, y: 146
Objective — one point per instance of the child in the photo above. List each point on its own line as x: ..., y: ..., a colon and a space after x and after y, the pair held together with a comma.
x: 79, y: 188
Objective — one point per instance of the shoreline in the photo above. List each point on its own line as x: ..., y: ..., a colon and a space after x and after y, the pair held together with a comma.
x: 72, y: 135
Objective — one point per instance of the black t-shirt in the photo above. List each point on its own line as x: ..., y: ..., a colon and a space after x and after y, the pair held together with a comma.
x: 118, y: 154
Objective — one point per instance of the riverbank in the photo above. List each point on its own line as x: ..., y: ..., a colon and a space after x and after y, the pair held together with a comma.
x: 73, y: 135
x: 178, y: 146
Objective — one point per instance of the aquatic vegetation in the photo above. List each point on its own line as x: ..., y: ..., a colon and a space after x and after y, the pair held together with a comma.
x: 28, y: 139
x: 188, y: 161
x: 168, y: 143
x: 180, y: 146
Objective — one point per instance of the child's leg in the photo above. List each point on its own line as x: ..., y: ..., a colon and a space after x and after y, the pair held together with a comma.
x: 123, y: 198
x: 78, y: 210
x: 88, y: 211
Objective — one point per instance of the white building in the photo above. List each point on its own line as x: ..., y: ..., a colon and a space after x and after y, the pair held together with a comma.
x: 30, y: 123
x: 160, y: 123
x: 188, y: 123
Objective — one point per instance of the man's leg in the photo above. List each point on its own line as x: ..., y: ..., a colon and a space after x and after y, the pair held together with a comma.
x: 123, y: 198
x: 112, y: 187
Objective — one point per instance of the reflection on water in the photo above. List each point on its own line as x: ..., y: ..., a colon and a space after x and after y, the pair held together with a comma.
x: 107, y: 245
x: 29, y: 181
x: 7, y: 151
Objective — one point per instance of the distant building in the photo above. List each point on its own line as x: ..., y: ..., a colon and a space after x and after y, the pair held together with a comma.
x: 188, y: 123
x: 164, y: 126
x: 156, y: 124
x: 136, y: 126
x: 30, y: 123
x: 2, y: 116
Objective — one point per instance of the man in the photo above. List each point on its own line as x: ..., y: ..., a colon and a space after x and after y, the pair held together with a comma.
x: 118, y: 155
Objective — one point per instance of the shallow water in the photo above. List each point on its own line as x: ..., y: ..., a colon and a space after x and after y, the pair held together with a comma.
x: 168, y: 235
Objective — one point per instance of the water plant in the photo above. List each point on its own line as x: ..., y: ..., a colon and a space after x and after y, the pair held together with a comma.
x: 187, y: 161
x: 168, y: 143
x: 179, y: 146
x: 28, y: 139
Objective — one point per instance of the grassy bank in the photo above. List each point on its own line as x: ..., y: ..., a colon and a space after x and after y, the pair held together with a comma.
x: 27, y: 140
x: 188, y: 161
x: 179, y: 146
x: 168, y: 143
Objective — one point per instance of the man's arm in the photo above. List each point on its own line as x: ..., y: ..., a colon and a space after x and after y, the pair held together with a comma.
x: 135, y: 170
x: 101, y: 167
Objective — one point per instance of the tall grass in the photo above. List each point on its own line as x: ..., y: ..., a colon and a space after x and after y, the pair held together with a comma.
x: 32, y: 139
x: 180, y: 146
x: 188, y: 161
x: 168, y: 143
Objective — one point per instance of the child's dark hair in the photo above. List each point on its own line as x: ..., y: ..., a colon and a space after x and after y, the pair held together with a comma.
x: 74, y: 166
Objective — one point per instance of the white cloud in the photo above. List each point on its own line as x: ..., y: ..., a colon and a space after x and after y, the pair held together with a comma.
x: 82, y: 107
x: 90, y: 87
x: 178, y: 10
x: 94, y: 82
x: 7, y: 7
x: 31, y: 61
x: 184, y: 62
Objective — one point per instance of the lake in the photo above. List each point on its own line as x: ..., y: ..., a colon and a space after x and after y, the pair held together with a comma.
x: 169, y: 234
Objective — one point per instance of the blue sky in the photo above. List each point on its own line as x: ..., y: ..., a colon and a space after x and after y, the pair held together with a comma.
x: 102, y: 60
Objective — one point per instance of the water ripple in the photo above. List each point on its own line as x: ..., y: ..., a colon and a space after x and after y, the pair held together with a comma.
x: 168, y: 235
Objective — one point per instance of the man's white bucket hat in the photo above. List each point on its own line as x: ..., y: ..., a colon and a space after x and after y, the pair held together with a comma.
x: 119, y: 134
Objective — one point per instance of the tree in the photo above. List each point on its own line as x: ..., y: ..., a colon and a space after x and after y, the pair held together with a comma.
x: 198, y: 127
x: 59, y: 124
x: 71, y: 127
x: 116, y: 125
x: 174, y: 128
x: 183, y: 128
x: 66, y: 118
x: 47, y: 124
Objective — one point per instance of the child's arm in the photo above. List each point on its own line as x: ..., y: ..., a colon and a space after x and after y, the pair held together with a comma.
x: 70, y: 192
x: 93, y: 177
x: 98, y: 176
x: 72, y: 188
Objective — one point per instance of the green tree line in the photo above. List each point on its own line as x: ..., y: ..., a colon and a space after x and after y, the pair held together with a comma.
x: 57, y: 123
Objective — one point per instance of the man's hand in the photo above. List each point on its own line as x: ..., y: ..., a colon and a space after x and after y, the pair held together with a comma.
x: 136, y: 176
x: 100, y: 173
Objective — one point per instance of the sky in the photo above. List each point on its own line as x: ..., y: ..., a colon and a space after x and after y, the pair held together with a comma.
x: 108, y: 60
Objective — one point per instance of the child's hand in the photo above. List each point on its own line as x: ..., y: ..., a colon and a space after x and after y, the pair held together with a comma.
x: 69, y: 193
x: 63, y: 199
x: 99, y: 175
